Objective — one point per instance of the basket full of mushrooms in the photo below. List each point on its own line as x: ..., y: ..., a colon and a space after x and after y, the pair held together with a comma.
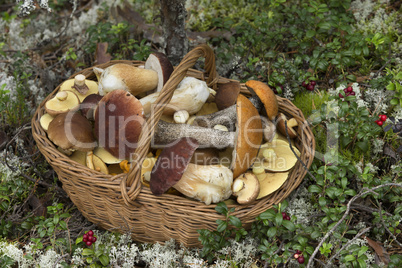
x: 149, y: 149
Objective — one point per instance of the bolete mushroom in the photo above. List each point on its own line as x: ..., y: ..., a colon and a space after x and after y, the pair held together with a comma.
x: 126, y: 76
x: 291, y: 123
x: 190, y: 95
x: 63, y: 102
x: 246, y: 187
x: 266, y: 95
x: 226, y: 95
x: 45, y: 121
x: 209, y: 184
x: 270, y: 182
x: 72, y: 131
x: 118, y: 123
x: 106, y: 157
x: 160, y: 63
x: 81, y: 86
x: 89, y: 104
x: 276, y: 158
x: 95, y: 163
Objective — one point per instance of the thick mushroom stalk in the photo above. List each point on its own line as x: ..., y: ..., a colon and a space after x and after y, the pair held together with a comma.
x: 246, y: 187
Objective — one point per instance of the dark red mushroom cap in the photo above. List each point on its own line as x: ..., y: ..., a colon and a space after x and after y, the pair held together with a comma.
x: 160, y: 63
x: 171, y: 164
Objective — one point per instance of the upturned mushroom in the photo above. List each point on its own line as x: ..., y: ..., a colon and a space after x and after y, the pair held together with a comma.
x: 246, y: 187
x: 290, y: 125
x: 45, y: 121
x: 81, y: 86
x: 190, y: 95
x: 209, y: 184
x: 270, y: 182
x: 160, y: 63
x: 126, y: 76
x: 72, y: 131
x: 119, y: 118
x: 276, y: 157
x: 226, y: 95
x: 63, y: 102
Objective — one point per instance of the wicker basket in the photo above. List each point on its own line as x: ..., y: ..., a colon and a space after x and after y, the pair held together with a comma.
x: 120, y: 203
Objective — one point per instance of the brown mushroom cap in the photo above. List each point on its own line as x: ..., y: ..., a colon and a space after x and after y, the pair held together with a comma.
x: 119, y: 118
x: 249, y: 136
x: 72, y: 131
x: 160, y: 63
x: 89, y: 104
x: 246, y: 187
x: 291, y: 123
x: 227, y: 94
x: 63, y: 102
x: 266, y: 95
x: 171, y: 164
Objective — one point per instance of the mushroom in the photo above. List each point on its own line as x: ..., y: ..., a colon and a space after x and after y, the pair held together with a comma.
x: 95, y: 163
x: 79, y: 157
x: 89, y: 104
x: 276, y: 157
x: 266, y: 95
x: 209, y: 184
x: 45, y: 121
x: 63, y: 102
x: 181, y: 117
x: 205, y: 156
x: 227, y: 94
x: 160, y: 63
x: 190, y: 95
x: 81, y: 86
x: 106, y: 157
x: 246, y: 187
x: 118, y: 123
x: 270, y: 182
x: 268, y: 129
x: 291, y: 123
x: 72, y: 131
x: 125, y: 76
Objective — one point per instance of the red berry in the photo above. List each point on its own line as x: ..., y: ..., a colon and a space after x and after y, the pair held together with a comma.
x: 353, y: 93
x: 345, y: 90
x: 296, y: 256
x: 85, y: 239
x: 348, y: 94
x: 383, y: 117
x: 287, y: 218
x: 298, y: 252
x: 379, y: 122
x: 340, y: 95
x: 304, y: 84
x: 85, y: 236
x: 90, y: 233
x: 313, y: 83
x: 93, y: 239
x: 88, y: 243
x: 310, y: 87
x: 349, y: 89
x: 300, y: 259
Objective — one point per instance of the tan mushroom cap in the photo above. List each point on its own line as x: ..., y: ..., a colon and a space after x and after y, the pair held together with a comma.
x: 270, y: 182
x: 80, y: 79
x: 246, y: 187
x: 291, y: 123
x: 45, y: 121
x: 79, y: 157
x: 249, y: 136
x: 106, y: 157
x: 72, y: 131
x: 276, y: 157
x: 95, y: 163
x: 63, y: 102
x: 266, y: 95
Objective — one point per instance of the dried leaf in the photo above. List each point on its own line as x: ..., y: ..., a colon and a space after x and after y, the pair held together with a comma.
x: 101, y: 54
x: 380, y: 251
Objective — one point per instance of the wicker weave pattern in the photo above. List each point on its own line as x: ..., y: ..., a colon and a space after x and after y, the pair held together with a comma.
x: 119, y: 203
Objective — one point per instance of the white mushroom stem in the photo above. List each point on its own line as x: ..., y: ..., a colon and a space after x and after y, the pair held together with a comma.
x: 246, y: 187
x: 209, y: 184
x: 168, y: 133
x: 79, y: 84
x: 269, y: 154
x: 190, y: 95
x: 181, y: 117
x: 292, y: 122
x: 62, y: 96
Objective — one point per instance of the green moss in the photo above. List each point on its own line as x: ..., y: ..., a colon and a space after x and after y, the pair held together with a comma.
x: 307, y: 102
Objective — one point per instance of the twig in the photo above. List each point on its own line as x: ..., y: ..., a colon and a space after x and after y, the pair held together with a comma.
x: 367, y: 209
x: 298, y: 158
x: 386, y: 228
x: 59, y: 259
x: 309, y: 264
x: 365, y: 230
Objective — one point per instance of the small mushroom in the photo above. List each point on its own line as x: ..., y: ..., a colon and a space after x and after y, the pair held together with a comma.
x: 190, y: 95
x: 63, y: 102
x: 181, y: 117
x: 209, y: 184
x: 291, y: 124
x: 125, y: 76
x: 160, y: 63
x: 89, y: 104
x: 246, y: 187
x: 118, y: 123
x: 95, y: 163
x: 276, y: 157
x: 81, y: 86
x: 106, y: 157
x: 226, y: 95
x: 72, y: 131
x: 45, y: 121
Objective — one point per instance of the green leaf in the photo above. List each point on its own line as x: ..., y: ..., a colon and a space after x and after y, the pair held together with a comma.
x: 394, y: 101
x: 78, y: 240
x: 362, y: 263
x: 344, y: 182
x: 302, y: 240
x: 322, y: 201
x: 222, y: 226
x: 349, y: 258
x: 310, y: 33
x: 366, y: 51
x: 104, y: 259
x: 56, y: 219
x: 363, y: 145
x: 235, y: 221
x: 267, y: 215
x: 87, y: 252
x: 289, y: 225
x: 324, y: 25
x: 278, y: 219
x: 272, y: 231
x: 314, y: 189
x: 221, y: 208
x: 390, y: 86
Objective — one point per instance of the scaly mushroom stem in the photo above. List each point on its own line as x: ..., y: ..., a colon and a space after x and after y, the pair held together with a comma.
x: 168, y: 133
x: 226, y: 117
x: 79, y: 84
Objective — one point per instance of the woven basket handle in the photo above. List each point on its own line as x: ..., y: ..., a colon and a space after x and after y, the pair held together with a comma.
x: 134, y: 175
